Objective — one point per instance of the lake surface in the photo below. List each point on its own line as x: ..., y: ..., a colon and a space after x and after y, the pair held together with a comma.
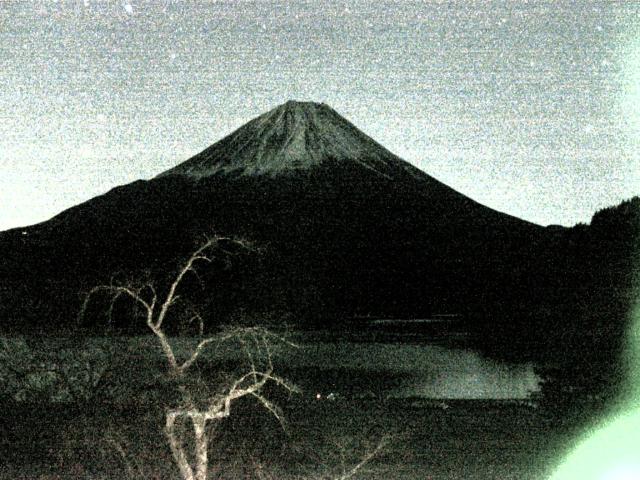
x: 325, y: 362
x: 423, y: 370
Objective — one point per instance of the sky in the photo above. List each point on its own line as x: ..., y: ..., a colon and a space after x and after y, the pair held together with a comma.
x: 531, y: 108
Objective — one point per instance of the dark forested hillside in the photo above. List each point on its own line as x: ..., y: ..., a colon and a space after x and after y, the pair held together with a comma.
x: 579, y: 311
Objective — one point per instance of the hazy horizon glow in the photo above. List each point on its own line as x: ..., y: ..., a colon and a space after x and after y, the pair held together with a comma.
x: 531, y: 108
x: 611, y: 449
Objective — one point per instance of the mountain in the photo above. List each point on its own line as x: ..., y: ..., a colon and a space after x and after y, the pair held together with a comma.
x: 342, y: 227
x: 348, y: 229
x: 293, y: 137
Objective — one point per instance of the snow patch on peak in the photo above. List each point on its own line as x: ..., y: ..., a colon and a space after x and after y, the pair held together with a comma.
x: 291, y: 137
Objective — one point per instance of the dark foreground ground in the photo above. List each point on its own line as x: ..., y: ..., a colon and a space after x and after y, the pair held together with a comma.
x: 424, y: 440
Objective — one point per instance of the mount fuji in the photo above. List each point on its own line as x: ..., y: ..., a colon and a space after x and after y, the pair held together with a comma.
x: 340, y: 228
x: 344, y: 227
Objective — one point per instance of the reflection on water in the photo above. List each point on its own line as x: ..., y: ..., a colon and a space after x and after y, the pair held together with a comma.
x: 421, y: 370
x: 383, y: 368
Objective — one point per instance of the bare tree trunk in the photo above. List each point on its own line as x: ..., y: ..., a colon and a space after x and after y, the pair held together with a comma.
x: 176, y: 448
x: 166, y: 347
x: 201, y: 447
x: 199, y: 424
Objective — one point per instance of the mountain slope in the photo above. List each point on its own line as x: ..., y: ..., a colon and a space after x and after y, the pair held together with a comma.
x: 344, y: 226
x: 292, y: 137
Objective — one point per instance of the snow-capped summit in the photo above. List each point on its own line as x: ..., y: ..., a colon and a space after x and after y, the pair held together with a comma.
x: 293, y: 136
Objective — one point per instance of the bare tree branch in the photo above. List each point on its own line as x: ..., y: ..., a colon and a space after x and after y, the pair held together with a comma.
x: 274, y: 409
x: 116, y: 444
x: 187, y: 267
x: 196, y: 353
x: 116, y: 291
x: 255, y: 342
x: 368, y: 456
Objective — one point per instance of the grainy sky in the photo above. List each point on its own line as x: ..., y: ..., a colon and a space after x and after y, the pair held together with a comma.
x: 532, y: 108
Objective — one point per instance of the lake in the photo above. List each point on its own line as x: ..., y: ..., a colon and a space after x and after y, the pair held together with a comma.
x: 374, y: 367
x: 403, y: 370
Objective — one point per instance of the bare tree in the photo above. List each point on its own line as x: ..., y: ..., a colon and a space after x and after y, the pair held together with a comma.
x: 196, y: 406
